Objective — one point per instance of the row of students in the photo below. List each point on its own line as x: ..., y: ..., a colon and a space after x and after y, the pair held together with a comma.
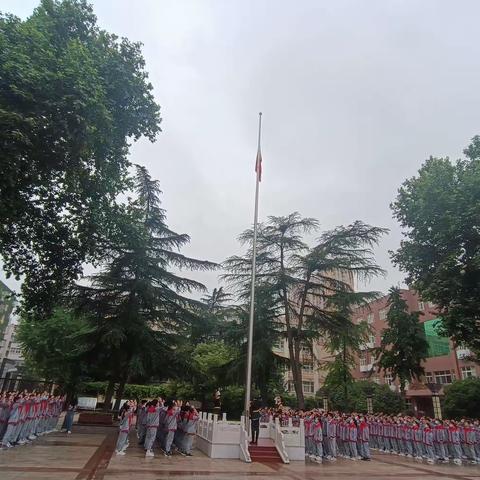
x: 328, y: 436
x: 332, y: 434
x: 169, y: 424
x: 24, y: 416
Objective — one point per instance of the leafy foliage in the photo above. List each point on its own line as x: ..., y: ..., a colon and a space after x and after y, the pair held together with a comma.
x: 383, y: 399
x: 303, y: 278
x: 439, y: 210
x: 136, y: 301
x: 57, y: 348
x: 345, y: 342
x: 267, y: 331
x: 403, y: 347
x: 72, y: 97
x: 462, y: 399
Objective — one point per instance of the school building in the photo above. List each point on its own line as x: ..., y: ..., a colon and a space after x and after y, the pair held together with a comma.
x: 444, y: 363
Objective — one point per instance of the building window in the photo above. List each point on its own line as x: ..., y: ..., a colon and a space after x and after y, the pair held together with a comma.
x: 307, y: 367
x: 383, y: 314
x: 428, y: 377
x: 376, y: 379
x: 444, y: 377
x: 363, y: 359
x: 421, y: 305
x: 389, y: 379
x: 370, y: 318
x: 468, y: 372
x: 308, y: 387
x: 408, y: 403
x: 290, y: 386
x: 278, y: 344
x: 371, y: 339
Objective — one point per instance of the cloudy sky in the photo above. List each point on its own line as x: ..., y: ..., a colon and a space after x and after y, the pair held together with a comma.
x: 354, y: 94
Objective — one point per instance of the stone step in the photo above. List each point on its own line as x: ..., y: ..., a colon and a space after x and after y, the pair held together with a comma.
x: 264, y: 454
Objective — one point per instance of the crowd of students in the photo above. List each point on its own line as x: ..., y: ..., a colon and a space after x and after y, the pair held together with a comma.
x: 329, y: 435
x: 24, y: 416
x: 169, y: 424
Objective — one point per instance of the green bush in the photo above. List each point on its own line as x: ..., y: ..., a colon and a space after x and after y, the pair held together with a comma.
x: 233, y: 398
x: 92, y: 389
x: 462, y: 399
x: 383, y: 399
x: 171, y: 389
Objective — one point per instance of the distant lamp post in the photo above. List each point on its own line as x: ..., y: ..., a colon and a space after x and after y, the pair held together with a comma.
x: 437, y: 407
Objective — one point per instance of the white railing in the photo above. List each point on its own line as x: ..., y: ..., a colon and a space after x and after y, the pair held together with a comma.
x: 87, y: 403
x: 366, y: 368
x: 277, y: 436
x: 463, y: 353
x: 221, y: 438
x: 367, y: 346
x: 244, y: 452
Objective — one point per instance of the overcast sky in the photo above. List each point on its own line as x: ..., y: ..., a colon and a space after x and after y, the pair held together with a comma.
x: 355, y: 96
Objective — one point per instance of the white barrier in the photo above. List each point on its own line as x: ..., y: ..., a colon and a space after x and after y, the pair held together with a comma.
x: 220, y: 438
x: 87, y: 403
x: 290, y: 439
x: 244, y: 453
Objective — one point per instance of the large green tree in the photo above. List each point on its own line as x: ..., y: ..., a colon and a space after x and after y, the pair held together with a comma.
x: 345, y: 342
x: 57, y: 348
x: 72, y: 99
x: 268, y: 330
x: 462, y: 399
x: 403, y: 347
x: 439, y: 211
x: 137, y: 301
x: 303, y: 277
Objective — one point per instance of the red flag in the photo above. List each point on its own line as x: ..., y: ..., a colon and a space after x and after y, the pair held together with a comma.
x: 258, y: 165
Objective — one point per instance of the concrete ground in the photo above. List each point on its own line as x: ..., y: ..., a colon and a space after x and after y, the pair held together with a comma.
x: 88, y: 453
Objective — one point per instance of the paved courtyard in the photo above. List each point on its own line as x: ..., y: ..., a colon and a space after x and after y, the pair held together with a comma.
x: 87, y: 455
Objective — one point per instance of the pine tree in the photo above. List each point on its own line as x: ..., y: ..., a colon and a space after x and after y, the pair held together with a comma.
x: 139, y: 305
x: 303, y: 278
x: 403, y: 347
x: 345, y: 342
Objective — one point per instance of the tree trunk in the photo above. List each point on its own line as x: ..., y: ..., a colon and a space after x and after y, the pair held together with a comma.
x: 119, y: 395
x: 345, y: 389
x: 297, y: 375
x: 109, y: 395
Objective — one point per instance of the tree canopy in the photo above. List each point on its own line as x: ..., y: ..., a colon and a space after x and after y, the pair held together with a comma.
x: 303, y: 278
x: 72, y: 99
x: 403, y: 347
x: 462, y: 399
x: 439, y: 211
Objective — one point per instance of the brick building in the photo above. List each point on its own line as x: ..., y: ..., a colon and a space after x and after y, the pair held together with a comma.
x: 443, y: 365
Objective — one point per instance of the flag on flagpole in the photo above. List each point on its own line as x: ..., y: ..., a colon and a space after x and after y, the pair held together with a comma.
x: 258, y: 165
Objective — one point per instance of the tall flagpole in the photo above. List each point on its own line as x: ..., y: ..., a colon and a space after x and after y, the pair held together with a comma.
x: 248, y: 386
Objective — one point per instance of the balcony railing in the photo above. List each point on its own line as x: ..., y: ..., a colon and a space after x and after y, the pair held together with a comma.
x: 367, y: 345
x: 366, y: 368
x: 463, y: 353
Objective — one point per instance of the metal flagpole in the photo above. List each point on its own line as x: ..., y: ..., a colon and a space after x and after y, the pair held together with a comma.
x: 248, y: 386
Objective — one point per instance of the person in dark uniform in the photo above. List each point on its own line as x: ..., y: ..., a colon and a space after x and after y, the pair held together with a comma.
x: 255, y: 420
